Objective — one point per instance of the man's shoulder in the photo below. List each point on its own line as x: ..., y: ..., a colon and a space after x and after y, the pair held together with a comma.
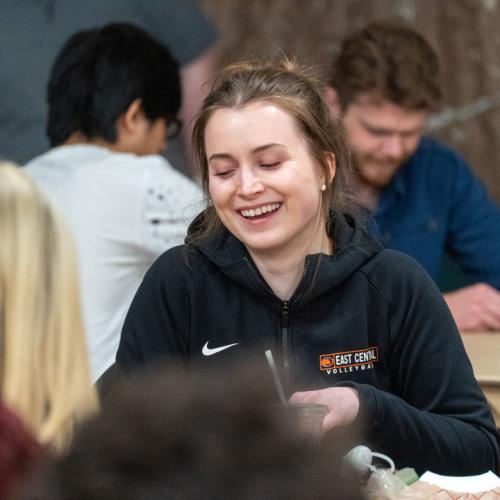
x: 431, y: 151
x: 41, y: 159
x: 90, y: 155
x: 159, y: 165
x: 434, y: 162
x: 71, y: 155
x: 167, y: 182
x: 72, y: 170
x: 81, y: 165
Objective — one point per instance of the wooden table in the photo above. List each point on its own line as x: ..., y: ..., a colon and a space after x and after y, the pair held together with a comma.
x: 483, y: 349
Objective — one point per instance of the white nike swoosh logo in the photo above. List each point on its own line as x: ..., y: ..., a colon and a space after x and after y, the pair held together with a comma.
x: 206, y: 351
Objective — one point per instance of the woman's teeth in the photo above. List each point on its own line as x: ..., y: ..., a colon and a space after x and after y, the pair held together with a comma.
x: 272, y: 207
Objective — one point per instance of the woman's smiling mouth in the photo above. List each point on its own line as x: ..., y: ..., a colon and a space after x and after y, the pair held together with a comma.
x: 251, y: 213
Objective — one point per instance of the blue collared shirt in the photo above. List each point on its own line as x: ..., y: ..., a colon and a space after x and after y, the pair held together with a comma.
x: 435, y: 205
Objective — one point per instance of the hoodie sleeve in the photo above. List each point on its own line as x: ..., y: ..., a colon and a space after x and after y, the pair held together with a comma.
x: 436, y: 409
x: 156, y: 325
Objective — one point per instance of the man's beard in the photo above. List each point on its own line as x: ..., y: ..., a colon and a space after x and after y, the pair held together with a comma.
x: 374, y: 173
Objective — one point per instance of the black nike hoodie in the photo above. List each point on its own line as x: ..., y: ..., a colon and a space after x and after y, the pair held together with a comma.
x: 364, y: 317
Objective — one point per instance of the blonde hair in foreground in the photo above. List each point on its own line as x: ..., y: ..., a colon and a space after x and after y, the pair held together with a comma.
x: 44, y: 366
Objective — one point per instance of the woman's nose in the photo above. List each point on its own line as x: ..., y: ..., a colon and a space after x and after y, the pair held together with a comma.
x: 250, y: 183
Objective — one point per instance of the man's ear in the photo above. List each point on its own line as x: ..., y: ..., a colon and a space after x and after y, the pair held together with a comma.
x: 332, y: 100
x: 131, y: 118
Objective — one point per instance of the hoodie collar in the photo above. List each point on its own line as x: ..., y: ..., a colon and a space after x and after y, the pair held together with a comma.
x: 354, y: 247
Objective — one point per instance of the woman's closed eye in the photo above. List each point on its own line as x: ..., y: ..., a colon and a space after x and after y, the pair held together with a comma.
x: 272, y: 164
x: 223, y: 170
x: 224, y: 173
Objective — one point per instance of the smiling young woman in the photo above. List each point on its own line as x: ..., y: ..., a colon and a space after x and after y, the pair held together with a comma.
x: 278, y: 261
x: 266, y: 189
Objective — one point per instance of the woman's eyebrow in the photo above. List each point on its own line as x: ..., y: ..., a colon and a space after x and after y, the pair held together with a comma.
x: 219, y: 156
x: 258, y: 149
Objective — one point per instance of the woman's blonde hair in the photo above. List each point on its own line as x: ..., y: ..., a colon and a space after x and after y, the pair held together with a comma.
x: 44, y: 371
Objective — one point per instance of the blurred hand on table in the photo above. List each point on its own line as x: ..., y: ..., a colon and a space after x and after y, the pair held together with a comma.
x: 343, y: 404
x: 475, y: 307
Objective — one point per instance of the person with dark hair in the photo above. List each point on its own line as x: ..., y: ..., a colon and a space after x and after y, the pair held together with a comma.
x: 113, y: 96
x: 214, y: 435
x: 33, y: 33
x: 279, y: 259
x: 424, y: 198
x: 99, y: 76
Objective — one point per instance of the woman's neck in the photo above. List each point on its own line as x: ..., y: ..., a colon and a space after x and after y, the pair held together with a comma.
x: 283, y: 272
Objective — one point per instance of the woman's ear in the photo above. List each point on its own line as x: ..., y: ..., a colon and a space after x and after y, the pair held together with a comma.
x: 332, y: 100
x: 332, y: 166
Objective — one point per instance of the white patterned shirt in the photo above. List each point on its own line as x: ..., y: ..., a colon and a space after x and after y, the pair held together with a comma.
x: 124, y: 211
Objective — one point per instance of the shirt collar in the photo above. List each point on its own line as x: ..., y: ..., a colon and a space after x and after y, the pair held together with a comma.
x: 398, y: 185
x: 396, y: 189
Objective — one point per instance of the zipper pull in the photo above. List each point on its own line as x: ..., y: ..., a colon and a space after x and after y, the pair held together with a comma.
x: 284, y: 314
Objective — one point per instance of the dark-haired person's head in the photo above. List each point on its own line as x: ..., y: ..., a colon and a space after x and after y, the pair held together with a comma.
x: 115, y: 86
x: 383, y: 85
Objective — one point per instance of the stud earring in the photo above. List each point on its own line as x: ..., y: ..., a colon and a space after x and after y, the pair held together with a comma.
x: 323, y: 187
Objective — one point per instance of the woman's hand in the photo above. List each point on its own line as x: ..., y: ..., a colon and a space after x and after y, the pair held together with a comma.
x: 343, y: 404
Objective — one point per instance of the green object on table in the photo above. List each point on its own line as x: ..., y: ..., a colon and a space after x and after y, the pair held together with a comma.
x: 407, y: 475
